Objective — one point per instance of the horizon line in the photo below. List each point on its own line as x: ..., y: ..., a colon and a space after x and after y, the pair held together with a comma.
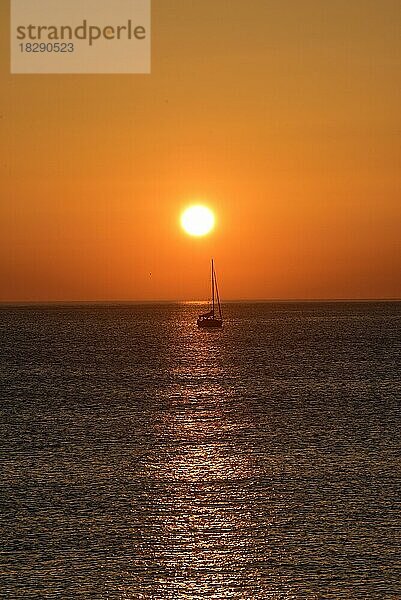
x: 196, y: 301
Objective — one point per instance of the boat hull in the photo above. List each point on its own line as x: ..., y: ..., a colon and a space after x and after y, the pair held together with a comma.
x: 209, y: 323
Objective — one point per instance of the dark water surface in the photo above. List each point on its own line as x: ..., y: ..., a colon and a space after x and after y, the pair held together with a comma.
x: 142, y: 458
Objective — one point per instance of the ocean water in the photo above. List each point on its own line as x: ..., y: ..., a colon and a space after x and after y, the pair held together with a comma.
x: 143, y: 458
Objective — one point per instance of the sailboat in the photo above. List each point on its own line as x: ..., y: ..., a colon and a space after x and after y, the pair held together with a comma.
x: 209, y: 319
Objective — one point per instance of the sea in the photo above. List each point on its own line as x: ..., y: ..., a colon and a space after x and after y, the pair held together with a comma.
x: 142, y: 458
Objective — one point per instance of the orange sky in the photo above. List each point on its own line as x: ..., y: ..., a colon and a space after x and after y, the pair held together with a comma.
x: 281, y: 115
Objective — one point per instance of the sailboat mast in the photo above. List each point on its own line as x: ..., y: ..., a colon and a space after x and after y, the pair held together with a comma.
x: 218, y: 296
x: 212, y: 286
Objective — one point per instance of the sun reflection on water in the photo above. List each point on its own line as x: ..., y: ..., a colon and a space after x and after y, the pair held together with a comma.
x: 207, y: 538
x: 207, y: 499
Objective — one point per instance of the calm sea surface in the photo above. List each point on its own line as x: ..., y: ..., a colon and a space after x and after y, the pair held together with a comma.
x: 142, y: 458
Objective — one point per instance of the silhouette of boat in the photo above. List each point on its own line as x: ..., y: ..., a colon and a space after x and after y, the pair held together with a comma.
x: 209, y: 320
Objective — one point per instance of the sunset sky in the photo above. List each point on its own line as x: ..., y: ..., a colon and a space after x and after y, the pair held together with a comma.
x: 282, y: 116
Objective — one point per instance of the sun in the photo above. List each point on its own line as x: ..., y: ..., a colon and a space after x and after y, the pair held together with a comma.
x: 197, y: 220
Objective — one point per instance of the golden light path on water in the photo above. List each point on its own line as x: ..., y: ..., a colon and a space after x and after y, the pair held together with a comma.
x: 206, y: 530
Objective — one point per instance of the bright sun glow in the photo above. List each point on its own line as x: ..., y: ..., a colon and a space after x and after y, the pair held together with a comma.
x: 197, y: 220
